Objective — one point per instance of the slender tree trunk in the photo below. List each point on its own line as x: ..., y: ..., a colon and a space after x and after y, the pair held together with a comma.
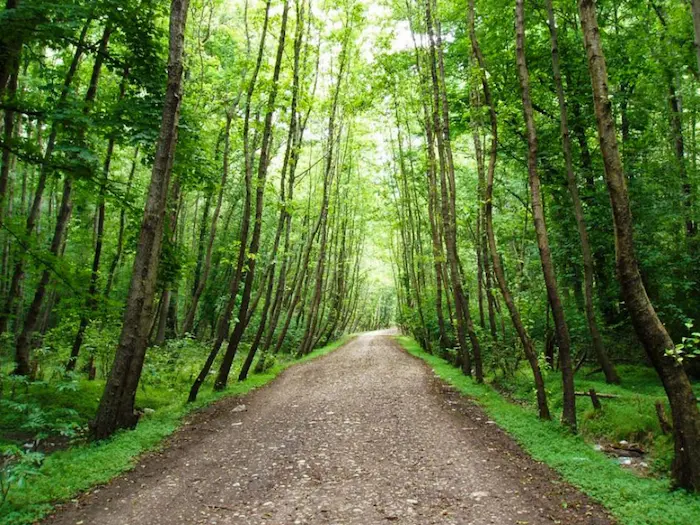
x: 122, y: 225
x: 481, y: 241
x: 462, y: 292
x: 528, y: 347
x: 309, y: 333
x: 479, y: 267
x: 649, y: 328
x: 116, y: 409
x: 289, y: 166
x: 562, y: 330
x: 596, y: 339
x: 91, y: 303
x: 696, y: 26
x: 198, y: 241
x: 224, y: 323
x: 677, y: 138
x: 299, y: 280
x: 24, y: 341
x: 411, y: 247
x: 11, y: 41
x: 254, y: 248
x: 280, y: 292
x: 92, y: 299
x: 6, y: 159
x: 201, y: 281
x: 432, y: 200
x: 463, y: 320
x: 167, y: 295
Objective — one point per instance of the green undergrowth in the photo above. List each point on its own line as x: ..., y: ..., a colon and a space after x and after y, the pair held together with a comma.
x: 631, y: 416
x: 66, y: 473
x: 632, y: 499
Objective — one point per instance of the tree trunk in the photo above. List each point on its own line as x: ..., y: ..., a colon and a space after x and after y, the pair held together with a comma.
x: 596, y: 339
x: 92, y: 299
x: 23, y: 345
x: 528, y: 347
x: 166, y: 323
x: 24, y: 341
x: 224, y: 323
x: 294, y: 137
x: 254, y: 248
x: 441, y: 128
x: 91, y: 303
x: 11, y: 41
x: 432, y: 183
x: 696, y: 26
x: 648, y: 326
x: 116, y: 409
x: 122, y: 225
x: 280, y: 293
x: 308, y: 339
x: 8, y: 137
x: 562, y: 330
x: 201, y: 281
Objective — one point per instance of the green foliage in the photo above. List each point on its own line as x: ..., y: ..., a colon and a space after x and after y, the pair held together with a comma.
x: 689, y: 348
x: 16, y: 467
x: 633, y: 500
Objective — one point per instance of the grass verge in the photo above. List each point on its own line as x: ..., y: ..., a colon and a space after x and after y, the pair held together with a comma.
x: 633, y: 500
x: 65, y: 474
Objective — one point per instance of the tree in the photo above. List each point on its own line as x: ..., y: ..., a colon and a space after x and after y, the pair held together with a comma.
x: 562, y: 330
x: 465, y: 326
x: 596, y: 339
x: 116, y: 409
x: 253, y: 249
x: 518, y: 324
x: 225, y: 318
x: 649, y: 328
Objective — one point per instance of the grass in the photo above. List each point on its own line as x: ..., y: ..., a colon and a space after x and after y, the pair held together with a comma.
x: 65, y: 474
x: 633, y: 500
x: 631, y: 417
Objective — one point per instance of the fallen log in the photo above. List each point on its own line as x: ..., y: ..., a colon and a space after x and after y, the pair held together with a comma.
x: 598, y: 394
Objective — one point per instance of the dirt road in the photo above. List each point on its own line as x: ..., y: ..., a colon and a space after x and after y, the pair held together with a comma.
x: 365, y: 436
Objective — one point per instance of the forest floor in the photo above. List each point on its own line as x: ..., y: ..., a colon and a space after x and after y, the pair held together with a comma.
x: 364, y: 435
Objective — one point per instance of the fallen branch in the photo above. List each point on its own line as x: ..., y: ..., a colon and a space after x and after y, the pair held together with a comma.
x: 598, y: 394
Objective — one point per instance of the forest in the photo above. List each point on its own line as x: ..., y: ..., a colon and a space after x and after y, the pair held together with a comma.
x: 196, y: 195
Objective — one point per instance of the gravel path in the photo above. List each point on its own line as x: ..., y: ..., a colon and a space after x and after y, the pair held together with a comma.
x: 365, y: 435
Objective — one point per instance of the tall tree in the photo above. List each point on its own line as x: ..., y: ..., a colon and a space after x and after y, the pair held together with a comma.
x: 45, y: 170
x: 224, y: 322
x: 648, y: 326
x: 596, y: 339
x: 31, y: 320
x: 695, y: 7
x: 518, y: 324
x: 465, y: 328
x: 291, y: 156
x: 310, y: 330
x: 562, y: 330
x: 254, y: 248
x: 116, y: 409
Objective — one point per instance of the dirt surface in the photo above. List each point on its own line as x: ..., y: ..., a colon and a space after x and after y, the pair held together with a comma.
x: 366, y: 435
